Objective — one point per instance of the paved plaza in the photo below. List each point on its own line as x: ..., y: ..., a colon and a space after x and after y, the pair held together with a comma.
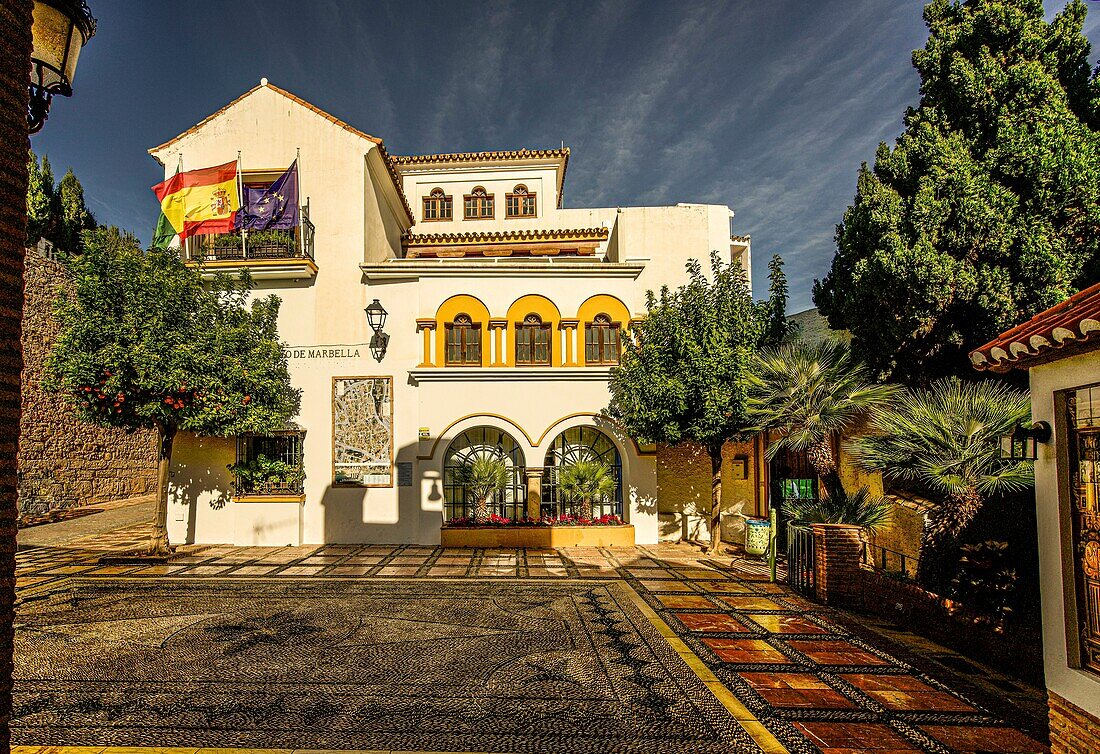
x: 405, y: 648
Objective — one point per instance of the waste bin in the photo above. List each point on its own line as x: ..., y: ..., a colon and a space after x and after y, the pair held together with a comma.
x: 757, y: 535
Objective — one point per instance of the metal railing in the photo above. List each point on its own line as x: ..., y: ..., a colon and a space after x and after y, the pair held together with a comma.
x: 295, y: 243
x: 890, y: 561
x: 800, y: 558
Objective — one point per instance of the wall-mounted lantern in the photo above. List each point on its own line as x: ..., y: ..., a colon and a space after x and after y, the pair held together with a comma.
x: 1023, y: 443
x: 376, y: 318
x: 60, y: 29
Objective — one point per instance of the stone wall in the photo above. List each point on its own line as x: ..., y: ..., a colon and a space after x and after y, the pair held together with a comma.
x: 683, y: 490
x: 64, y: 462
x: 1072, y: 730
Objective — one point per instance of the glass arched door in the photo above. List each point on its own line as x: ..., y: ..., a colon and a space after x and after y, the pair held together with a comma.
x: 483, y: 441
x: 577, y: 443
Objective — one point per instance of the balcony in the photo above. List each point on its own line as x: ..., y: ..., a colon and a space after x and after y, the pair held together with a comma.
x: 266, y: 254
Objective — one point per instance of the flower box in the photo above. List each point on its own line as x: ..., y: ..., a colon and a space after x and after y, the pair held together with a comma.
x: 537, y: 536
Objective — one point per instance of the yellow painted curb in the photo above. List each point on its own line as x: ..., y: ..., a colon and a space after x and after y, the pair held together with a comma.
x: 760, y: 735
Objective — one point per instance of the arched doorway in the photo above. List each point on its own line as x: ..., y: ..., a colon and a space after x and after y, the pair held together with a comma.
x: 483, y: 441
x: 577, y: 443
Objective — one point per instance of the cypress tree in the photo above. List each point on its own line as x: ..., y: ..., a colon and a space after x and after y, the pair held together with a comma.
x: 987, y: 208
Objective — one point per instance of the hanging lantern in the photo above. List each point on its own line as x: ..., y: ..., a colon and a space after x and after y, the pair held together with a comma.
x: 60, y: 29
x: 1023, y: 443
x: 376, y: 316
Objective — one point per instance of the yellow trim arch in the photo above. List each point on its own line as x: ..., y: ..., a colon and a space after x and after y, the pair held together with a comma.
x: 451, y: 308
x: 534, y: 303
x: 601, y: 303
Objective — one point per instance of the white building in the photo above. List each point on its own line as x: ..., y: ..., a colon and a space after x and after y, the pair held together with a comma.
x: 503, y: 315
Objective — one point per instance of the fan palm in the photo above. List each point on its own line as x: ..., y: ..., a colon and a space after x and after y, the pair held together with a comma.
x: 810, y: 393
x: 586, y: 481
x: 484, y: 476
x: 862, y: 509
x: 946, y: 439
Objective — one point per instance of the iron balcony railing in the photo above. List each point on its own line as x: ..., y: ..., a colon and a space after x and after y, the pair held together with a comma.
x: 294, y: 243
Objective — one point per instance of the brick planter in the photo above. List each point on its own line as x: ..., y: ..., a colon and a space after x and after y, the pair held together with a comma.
x: 837, y: 576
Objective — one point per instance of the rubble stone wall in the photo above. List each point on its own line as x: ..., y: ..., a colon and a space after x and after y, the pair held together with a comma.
x: 64, y: 462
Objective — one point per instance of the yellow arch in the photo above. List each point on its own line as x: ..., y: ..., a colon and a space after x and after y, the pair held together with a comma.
x: 601, y: 303
x: 452, y: 425
x: 451, y: 308
x: 533, y: 303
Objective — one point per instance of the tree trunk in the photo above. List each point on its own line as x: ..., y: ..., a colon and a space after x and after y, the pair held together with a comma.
x: 822, y: 458
x: 15, y: 61
x: 586, y: 508
x: 481, y: 509
x: 940, y: 539
x: 715, y: 499
x: 158, y: 543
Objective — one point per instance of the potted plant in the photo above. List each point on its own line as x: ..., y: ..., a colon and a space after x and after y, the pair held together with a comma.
x: 483, y: 477
x: 859, y: 509
x: 270, y: 244
x: 262, y: 475
x: 586, y: 481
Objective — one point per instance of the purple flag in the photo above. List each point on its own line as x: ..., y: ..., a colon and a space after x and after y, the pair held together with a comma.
x: 274, y: 207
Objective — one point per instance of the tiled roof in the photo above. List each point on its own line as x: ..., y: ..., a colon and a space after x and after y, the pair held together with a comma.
x: 503, y: 155
x: 506, y: 236
x: 1073, y: 323
x: 331, y: 118
x: 514, y: 154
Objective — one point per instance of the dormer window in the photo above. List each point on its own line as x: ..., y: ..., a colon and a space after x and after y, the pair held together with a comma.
x: 520, y: 203
x: 437, y: 206
x: 478, y: 205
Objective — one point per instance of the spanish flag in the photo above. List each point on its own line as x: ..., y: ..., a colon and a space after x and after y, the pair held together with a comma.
x: 201, y: 201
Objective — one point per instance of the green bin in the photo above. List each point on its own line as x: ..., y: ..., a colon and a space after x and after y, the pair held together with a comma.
x: 757, y: 534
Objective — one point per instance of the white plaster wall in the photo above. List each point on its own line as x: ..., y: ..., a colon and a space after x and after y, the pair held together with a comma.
x: 352, y: 207
x: 1055, y: 539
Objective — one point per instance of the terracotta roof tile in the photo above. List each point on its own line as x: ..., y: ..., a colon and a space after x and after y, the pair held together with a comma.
x: 1074, y: 323
x: 506, y: 236
x: 500, y: 155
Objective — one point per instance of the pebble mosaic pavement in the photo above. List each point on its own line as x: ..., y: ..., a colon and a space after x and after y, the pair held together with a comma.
x: 389, y: 648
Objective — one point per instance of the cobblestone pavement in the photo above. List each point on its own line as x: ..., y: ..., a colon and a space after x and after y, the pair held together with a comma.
x: 424, y: 648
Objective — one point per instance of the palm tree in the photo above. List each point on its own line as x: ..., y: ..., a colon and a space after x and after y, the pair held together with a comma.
x: 810, y: 393
x: 484, y: 476
x: 861, y: 509
x: 585, y: 481
x: 946, y: 439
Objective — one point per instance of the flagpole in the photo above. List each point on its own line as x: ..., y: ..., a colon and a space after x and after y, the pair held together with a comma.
x: 298, y: 198
x: 240, y: 203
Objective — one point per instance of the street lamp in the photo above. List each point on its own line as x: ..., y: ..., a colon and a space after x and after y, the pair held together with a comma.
x: 376, y: 318
x: 1022, y: 444
x: 60, y: 29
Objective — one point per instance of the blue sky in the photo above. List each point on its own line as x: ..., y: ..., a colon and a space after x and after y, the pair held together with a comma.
x: 768, y: 106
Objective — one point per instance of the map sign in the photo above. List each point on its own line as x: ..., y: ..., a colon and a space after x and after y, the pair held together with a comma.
x: 362, y: 431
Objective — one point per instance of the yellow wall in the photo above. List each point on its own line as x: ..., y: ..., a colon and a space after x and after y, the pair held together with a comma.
x: 683, y: 479
x: 547, y: 311
x: 451, y: 308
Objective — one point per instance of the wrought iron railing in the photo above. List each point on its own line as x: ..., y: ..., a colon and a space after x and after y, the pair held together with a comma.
x: 890, y: 561
x: 294, y: 243
x: 800, y: 558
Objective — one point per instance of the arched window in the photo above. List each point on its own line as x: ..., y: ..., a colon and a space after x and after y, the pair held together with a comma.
x: 478, y: 205
x: 520, y: 203
x: 463, y: 342
x: 437, y: 205
x: 475, y: 442
x: 533, y: 342
x: 601, y: 340
x: 574, y: 444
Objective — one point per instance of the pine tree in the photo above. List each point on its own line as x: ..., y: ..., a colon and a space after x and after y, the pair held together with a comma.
x: 987, y: 209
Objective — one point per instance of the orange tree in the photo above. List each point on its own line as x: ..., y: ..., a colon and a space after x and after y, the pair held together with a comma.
x: 144, y: 343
